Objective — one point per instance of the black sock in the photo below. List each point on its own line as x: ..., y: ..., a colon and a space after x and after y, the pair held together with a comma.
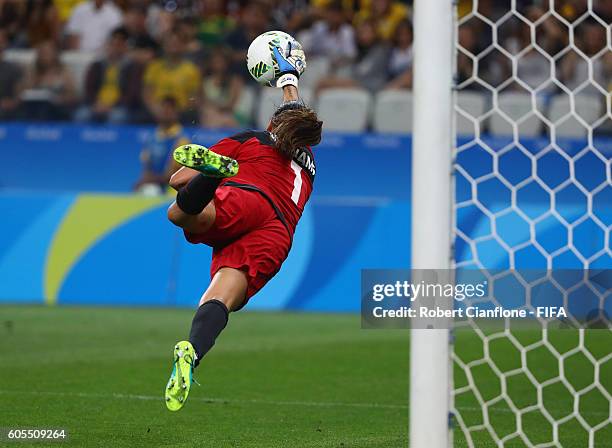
x: 194, y: 196
x: 209, y: 320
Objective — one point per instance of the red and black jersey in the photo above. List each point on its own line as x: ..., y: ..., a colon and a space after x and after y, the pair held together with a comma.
x: 286, y: 184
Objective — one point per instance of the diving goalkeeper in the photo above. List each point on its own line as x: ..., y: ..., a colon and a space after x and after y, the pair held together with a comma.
x: 243, y: 197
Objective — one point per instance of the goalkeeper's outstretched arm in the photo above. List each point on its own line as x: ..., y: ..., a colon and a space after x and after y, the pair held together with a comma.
x: 290, y: 93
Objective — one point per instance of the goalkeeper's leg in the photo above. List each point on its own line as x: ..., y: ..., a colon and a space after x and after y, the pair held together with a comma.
x: 227, y: 292
x: 193, y: 209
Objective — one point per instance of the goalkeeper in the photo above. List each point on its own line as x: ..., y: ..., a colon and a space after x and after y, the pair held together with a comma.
x: 243, y: 197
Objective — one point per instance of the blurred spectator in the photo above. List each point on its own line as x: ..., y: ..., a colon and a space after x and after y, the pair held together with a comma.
x: 606, y: 127
x: 482, y: 34
x: 157, y: 163
x: 533, y: 67
x: 29, y: 22
x: 43, y: 22
x: 130, y: 84
x: 65, y: 8
x: 400, y: 61
x: 349, y: 7
x: 90, y: 24
x: 570, y: 9
x: 607, y: 71
x: 159, y: 21
x: 187, y: 30
x: 49, y: 89
x: 590, y: 40
x: 468, y: 49
x: 494, y: 9
x: 173, y: 76
x: 135, y: 22
x: 331, y: 37
x: 10, y: 76
x: 12, y: 17
x: 366, y: 72
x: 253, y: 22
x: 105, y: 83
x: 475, y: 36
x: 221, y: 93
x: 291, y: 15
x: 551, y: 36
x: 386, y: 14
x: 603, y: 9
x: 214, y: 23
x: 143, y: 52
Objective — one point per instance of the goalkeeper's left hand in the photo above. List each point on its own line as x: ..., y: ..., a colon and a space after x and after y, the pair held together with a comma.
x: 291, y: 64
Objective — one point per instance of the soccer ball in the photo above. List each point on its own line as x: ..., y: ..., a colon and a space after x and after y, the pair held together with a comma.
x: 260, y: 58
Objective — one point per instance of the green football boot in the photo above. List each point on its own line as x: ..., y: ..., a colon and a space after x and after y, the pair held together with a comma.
x: 179, y: 384
x: 205, y: 161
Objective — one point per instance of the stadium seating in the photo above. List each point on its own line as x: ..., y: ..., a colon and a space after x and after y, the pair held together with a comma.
x: 345, y: 110
x: 78, y: 62
x: 246, y: 102
x: 316, y: 69
x: 518, y: 108
x: 354, y: 110
x: 472, y: 105
x: 393, y: 112
x: 269, y: 100
x: 23, y: 58
x: 587, y: 107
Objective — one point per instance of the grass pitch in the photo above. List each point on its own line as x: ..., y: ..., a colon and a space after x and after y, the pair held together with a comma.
x: 273, y: 380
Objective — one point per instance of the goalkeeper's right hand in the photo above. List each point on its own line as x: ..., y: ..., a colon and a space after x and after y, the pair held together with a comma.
x: 291, y: 64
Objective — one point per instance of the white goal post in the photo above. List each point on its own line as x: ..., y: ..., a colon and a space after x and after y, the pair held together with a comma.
x: 432, y: 140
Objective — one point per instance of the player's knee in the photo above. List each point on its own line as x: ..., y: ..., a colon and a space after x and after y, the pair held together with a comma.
x: 175, y: 215
x: 228, y: 286
x: 175, y: 181
x: 231, y: 303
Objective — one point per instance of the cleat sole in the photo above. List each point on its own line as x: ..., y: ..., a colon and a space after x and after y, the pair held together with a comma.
x: 205, y: 161
x: 177, y: 389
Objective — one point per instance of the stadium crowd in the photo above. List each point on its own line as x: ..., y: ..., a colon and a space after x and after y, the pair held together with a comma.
x: 148, y: 55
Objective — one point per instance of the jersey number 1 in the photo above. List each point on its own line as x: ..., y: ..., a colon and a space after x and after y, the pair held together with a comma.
x: 297, y: 182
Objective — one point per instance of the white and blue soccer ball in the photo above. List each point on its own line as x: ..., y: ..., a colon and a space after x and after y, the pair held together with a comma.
x: 260, y: 58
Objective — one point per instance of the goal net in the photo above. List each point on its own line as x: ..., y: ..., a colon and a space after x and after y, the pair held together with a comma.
x: 533, y: 193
